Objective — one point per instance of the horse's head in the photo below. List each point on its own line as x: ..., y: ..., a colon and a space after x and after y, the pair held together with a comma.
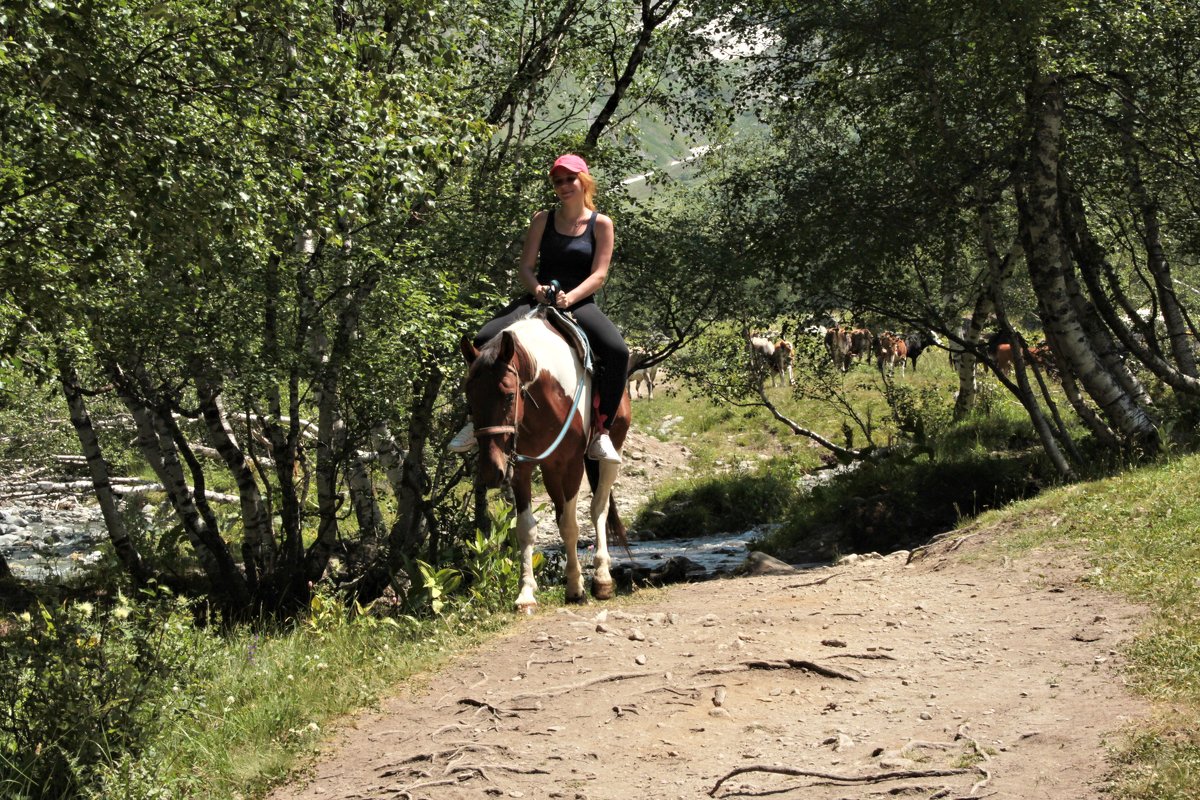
x: 494, y: 397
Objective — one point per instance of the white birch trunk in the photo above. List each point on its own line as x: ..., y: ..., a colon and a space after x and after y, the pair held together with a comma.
x: 1040, y: 237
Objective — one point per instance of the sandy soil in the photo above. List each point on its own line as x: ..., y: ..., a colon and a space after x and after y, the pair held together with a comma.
x: 939, y: 677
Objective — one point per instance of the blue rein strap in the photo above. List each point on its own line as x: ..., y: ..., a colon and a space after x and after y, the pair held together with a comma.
x: 587, y: 367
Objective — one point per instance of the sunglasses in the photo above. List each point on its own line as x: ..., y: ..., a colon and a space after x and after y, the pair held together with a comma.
x: 563, y: 180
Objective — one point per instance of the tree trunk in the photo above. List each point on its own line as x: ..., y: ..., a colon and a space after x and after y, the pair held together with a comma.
x: 1179, y: 334
x: 98, y: 469
x: 653, y: 15
x: 159, y: 450
x: 998, y: 268
x: 408, y: 530
x: 1038, y: 212
x: 258, y: 549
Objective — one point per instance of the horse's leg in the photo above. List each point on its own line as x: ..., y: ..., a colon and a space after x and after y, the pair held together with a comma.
x: 562, y: 484
x: 526, y: 535
x: 602, y: 582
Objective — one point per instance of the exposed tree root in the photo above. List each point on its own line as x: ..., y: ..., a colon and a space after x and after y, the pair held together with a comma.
x: 864, y: 656
x: 787, y: 663
x: 878, y: 777
x: 556, y: 691
x: 817, y: 582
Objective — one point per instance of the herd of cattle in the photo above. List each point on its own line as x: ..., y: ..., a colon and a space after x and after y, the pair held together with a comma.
x: 888, y: 350
x: 846, y: 346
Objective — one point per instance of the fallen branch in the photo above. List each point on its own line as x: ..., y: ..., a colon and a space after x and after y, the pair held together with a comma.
x: 787, y: 663
x: 818, y: 582
x: 878, y: 777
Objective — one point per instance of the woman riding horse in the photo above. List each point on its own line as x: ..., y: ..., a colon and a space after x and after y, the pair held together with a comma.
x: 571, y: 244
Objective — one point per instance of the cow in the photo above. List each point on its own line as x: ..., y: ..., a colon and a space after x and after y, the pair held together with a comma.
x: 637, y: 373
x: 1000, y: 350
x: 917, y: 342
x: 837, y: 342
x: 889, y: 350
x: 861, y: 340
x: 781, y: 362
x: 1043, y: 356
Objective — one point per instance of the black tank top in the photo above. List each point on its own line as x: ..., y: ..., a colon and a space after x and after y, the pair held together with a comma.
x: 566, y: 259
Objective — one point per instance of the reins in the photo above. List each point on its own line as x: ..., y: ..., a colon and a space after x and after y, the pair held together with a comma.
x: 513, y: 427
x: 555, y: 288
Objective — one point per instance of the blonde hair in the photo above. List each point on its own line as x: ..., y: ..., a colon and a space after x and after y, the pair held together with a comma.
x: 589, y: 190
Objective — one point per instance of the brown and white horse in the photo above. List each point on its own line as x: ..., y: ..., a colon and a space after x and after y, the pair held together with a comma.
x: 521, y: 388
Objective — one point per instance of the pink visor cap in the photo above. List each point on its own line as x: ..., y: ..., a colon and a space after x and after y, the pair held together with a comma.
x: 570, y: 163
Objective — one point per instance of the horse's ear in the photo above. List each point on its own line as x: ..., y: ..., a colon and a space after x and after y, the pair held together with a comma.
x: 508, y: 347
x: 469, y: 350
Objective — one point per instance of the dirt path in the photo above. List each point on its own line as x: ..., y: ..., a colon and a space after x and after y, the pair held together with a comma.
x: 960, y: 678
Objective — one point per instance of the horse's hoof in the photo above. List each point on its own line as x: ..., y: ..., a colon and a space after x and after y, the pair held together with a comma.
x: 527, y: 609
x: 603, y: 591
x: 577, y: 600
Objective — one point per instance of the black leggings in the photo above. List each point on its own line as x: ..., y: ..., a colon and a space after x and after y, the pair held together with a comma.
x: 608, y: 346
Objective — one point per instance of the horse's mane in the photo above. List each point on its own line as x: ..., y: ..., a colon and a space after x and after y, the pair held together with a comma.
x: 525, y: 355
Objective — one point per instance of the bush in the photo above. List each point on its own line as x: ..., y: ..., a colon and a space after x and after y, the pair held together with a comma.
x: 735, y: 501
x: 894, y: 505
x: 82, y: 690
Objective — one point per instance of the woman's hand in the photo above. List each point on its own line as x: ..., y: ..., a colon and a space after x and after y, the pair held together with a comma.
x: 539, y: 294
x: 560, y: 300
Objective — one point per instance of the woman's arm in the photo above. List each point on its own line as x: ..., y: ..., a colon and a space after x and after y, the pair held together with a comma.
x: 600, y: 261
x: 527, y: 269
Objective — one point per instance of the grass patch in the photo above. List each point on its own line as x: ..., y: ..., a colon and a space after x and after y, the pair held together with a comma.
x: 1141, y: 531
x: 733, y: 501
x: 269, y: 698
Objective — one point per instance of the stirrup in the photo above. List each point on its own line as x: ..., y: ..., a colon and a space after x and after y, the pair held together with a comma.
x: 602, y: 449
x: 464, y: 440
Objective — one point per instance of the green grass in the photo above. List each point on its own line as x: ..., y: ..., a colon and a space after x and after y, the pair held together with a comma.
x: 1141, y: 531
x: 269, y: 699
x: 746, y: 467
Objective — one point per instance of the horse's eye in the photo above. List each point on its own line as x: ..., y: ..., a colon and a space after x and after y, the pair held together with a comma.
x: 509, y: 396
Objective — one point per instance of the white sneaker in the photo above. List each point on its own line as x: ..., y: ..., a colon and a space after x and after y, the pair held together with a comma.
x: 464, y: 440
x: 601, y: 449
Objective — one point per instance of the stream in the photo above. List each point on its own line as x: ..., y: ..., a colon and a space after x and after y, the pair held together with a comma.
x: 49, y: 543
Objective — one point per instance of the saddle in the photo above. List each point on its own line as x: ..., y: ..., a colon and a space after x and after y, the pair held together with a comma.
x: 566, y: 326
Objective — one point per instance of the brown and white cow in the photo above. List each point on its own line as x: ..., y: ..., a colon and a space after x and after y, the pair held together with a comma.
x: 861, y: 340
x: 837, y: 342
x: 781, y: 362
x: 890, y: 350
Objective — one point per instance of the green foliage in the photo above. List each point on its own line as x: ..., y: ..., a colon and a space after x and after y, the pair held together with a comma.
x: 82, y: 689
x: 923, y: 415
x: 888, y: 505
x: 491, y: 564
x: 735, y: 501
x: 436, y: 585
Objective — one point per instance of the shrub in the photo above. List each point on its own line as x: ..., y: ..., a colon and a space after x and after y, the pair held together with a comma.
x: 893, y: 505
x: 734, y: 501
x: 82, y: 689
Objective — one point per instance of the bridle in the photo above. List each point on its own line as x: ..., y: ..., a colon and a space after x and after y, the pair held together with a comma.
x: 515, y: 458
